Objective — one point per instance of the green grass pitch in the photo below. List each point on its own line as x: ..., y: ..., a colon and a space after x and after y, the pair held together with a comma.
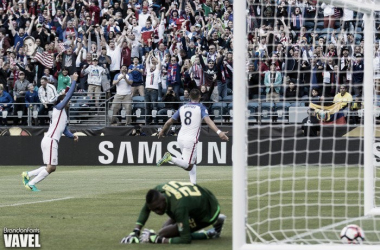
x: 95, y: 207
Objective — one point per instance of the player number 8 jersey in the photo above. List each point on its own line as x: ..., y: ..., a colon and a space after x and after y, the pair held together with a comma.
x: 191, y: 116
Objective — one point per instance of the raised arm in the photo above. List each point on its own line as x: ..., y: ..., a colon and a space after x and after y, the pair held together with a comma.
x: 11, y: 28
x: 179, y: 57
x: 147, y: 61
x: 120, y: 40
x: 201, y: 60
x: 64, y: 21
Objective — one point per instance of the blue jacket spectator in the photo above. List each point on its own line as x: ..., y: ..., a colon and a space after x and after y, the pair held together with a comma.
x: 31, y: 97
x: 5, y: 104
x: 135, y: 71
x: 5, y: 98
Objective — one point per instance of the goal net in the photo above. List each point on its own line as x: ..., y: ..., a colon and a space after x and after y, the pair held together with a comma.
x: 309, y: 162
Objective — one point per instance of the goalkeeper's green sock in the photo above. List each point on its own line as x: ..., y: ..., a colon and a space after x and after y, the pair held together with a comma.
x: 180, y: 163
x: 199, y: 236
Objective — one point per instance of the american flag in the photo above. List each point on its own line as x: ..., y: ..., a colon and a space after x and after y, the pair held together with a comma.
x: 61, y: 47
x: 45, y: 59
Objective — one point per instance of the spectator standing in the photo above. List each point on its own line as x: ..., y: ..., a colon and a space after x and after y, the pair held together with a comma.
x: 345, y: 64
x: 114, y: 51
x: 123, y: 95
x: 136, y: 71
x: 32, y: 102
x: 21, y: 34
x: 94, y: 80
x: 19, y: 91
x: 47, y: 94
x: 210, y: 74
x: 5, y: 72
x: 5, y: 105
x: 253, y: 82
x: 68, y: 60
x: 105, y: 62
x: 171, y: 104
x: 153, y: 76
x: 272, y: 81
x: 64, y: 81
x: 196, y: 72
x: 174, y: 73
x: 206, y: 95
x: 358, y: 74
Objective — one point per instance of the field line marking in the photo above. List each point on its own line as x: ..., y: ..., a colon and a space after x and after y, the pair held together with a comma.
x: 321, y: 229
x: 34, y: 202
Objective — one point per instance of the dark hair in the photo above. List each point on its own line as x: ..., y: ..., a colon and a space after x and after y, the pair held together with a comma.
x: 195, y: 94
x: 152, y: 196
x: 60, y: 98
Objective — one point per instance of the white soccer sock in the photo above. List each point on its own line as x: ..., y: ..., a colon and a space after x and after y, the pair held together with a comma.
x: 193, y: 174
x: 42, y: 175
x: 36, y: 171
x: 180, y: 163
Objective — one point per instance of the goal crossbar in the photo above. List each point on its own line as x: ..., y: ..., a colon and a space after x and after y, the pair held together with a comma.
x: 366, y: 6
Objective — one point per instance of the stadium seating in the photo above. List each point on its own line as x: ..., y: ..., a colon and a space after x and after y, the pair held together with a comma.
x: 282, y: 109
x: 268, y: 112
x: 219, y: 109
x: 253, y: 108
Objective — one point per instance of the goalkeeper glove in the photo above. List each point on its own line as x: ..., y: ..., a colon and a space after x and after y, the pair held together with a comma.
x: 132, y: 237
x: 149, y: 236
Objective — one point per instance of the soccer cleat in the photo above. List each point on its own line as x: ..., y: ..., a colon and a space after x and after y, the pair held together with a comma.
x: 218, y: 226
x: 25, y: 178
x: 32, y: 188
x: 166, y: 158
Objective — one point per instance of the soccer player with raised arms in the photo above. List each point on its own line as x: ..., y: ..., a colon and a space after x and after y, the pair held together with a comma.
x: 49, y: 144
x: 191, y: 116
x: 190, y: 208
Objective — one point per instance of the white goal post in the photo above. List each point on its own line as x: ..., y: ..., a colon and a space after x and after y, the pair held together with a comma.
x: 240, y: 128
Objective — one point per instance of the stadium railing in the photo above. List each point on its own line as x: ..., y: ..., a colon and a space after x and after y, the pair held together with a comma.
x: 83, y: 112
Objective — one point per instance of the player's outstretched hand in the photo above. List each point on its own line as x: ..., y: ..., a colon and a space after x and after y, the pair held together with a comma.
x: 130, y: 239
x: 75, y: 76
x: 148, y: 236
x: 76, y: 138
x: 223, y: 136
x: 161, y: 133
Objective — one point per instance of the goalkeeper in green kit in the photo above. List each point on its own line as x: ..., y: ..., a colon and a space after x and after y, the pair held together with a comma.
x: 190, y: 208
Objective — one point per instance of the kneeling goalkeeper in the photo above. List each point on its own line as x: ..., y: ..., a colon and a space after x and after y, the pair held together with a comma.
x: 190, y: 208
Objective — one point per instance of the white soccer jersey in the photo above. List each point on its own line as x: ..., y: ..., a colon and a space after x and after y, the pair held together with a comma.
x: 152, y: 79
x: 191, y: 116
x: 123, y: 88
x: 58, y: 124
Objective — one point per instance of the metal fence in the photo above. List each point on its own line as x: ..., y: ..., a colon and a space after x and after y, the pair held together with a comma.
x: 83, y: 111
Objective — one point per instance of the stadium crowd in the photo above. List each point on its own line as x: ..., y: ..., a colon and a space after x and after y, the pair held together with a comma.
x: 306, y: 51
x: 161, y: 49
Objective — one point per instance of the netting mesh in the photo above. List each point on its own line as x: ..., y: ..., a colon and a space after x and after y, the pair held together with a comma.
x: 305, y: 84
